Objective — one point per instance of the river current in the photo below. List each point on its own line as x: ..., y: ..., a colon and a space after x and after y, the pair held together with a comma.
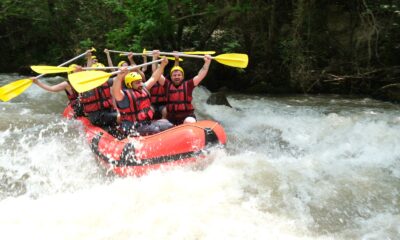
x: 295, y: 167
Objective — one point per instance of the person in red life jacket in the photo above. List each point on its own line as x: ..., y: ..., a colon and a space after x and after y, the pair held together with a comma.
x: 121, y: 63
x: 92, y: 61
x: 178, y: 92
x: 157, y: 92
x: 133, y: 102
x: 98, y: 105
x: 73, y: 96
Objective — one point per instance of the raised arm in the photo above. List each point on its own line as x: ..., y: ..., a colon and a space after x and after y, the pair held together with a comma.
x: 144, y: 68
x: 156, y: 55
x: 55, y: 88
x: 130, y: 58
x: 89, y: 59
x: 203, y: 71
x: 117, y: 85
x: 110, y: 63
x: 157, y: 74
x: 132, y: 62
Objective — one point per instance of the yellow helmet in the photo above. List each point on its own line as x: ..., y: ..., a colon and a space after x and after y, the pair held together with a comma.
x: 132, y: 77
x: 94, y: 59
x: 177, y: 68
x: 121, y: 63
x: 72, y: 66
x: 97, y: 65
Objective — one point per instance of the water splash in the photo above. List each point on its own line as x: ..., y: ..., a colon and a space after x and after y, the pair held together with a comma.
x: 295, y: 167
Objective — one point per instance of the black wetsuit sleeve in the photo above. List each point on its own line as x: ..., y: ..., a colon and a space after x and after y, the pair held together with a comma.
x: 110, y: 81
x: 124, y: 103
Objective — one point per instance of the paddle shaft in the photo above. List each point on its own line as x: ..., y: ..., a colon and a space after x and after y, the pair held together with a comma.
x: 125, y: 53
x: 59, y: 69
x: 98, y: 68
x: 69, y: 61
x: 15, y: 88
x: 137, y: 66
x: 181, y: 54
x: 106, y: 75
x: 230, y: 59
x: 133, y: 54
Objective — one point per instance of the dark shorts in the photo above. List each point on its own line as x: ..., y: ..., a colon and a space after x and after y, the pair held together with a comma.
x: 178, y: 119
x: 105, y: 118
x: 158, y: 111
x: 144, y: 129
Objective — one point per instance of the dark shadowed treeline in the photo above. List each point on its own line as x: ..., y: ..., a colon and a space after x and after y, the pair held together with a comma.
x: 294, y: 46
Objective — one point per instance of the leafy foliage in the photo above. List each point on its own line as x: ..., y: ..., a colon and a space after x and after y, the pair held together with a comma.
x: 291, y: 44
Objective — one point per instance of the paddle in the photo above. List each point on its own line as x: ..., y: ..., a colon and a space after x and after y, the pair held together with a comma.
x: 88, y: 80
x: 124, y: 53
x: 54, y: 69
x: 170, y: 58
x: 238, y: 60
x: 12, y: 90
x: 199, y: 52
x: 140, y: 54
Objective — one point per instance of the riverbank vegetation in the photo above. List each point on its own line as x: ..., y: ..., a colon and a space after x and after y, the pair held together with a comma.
x: 293, y: 46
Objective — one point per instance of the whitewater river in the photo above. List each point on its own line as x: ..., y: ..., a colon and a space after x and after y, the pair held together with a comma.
x: 295, y: 167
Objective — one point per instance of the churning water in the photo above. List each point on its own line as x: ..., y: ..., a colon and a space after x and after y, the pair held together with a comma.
x: 295, y: 167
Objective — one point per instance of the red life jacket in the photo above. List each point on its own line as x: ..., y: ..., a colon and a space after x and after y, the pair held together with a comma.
x: 74, y: 95
x: 98, y: 98
x: 158, y: 94
x: 139, y: 109
x: 179, y: 98
x: 74, y: 101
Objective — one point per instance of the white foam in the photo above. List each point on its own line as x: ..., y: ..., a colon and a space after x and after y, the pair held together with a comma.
x: 294, y: 168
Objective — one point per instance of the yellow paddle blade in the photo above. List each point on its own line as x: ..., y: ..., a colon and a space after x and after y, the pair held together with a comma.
x: 201, y: 52
x: 239, y: 60
x: 51, y: 69
x: 11, y: 90
x: 88, y: 80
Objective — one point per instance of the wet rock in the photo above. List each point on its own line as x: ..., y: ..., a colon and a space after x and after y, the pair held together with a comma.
x: 389, y: 93
x: 218, y: 98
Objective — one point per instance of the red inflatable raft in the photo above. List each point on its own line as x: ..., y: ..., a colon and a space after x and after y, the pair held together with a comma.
x: 181, y: 145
